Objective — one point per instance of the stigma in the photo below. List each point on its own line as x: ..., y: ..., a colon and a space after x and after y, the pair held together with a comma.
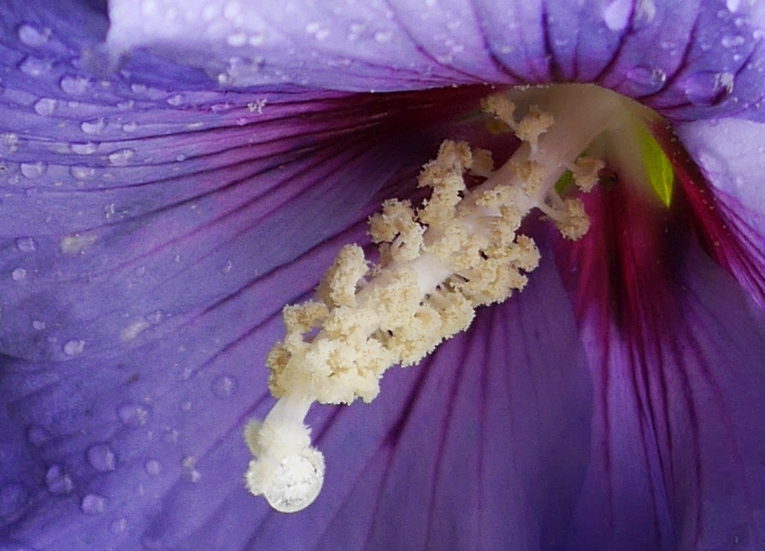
x: 438, y: 261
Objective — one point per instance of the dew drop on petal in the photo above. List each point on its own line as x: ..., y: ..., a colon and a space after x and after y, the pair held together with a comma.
x: 189, y: 464
x: 155, y: 317
x: 175, y: 100
x: 617, y: 14
x: 34, y: 67
x: 74, y: 347
x: 31, y: 36
x: 118, y: 526
x: 33, y: 170
x: 82, y: 172
x: 87, y: 148
x: 19, y: 274
x: 153, y: 467
x: 102, y: 458
x: 38, y: 436
x: 236, y: 40
x: 26, y: 244
x: 224, y: 386
x: 93, y: 504
x: 732, y: 41
x: 45, y: 106
x: 133, y: 415
x: 75, y: 85
x: 58, y: 482
x: 121, y: 157
x: 38, y: 325
x: 93, y: 127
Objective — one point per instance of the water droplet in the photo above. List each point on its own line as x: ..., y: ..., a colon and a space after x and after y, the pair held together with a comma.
x: 118, y: 526
x: 8, y: 143
x: 33, y: 170
x: 133, y: 330
x: 45, y: 106
x: 705, y: 88
x: 231, y: 10
x: 236, y: 40
x: 383, y: 36
x: 224, y: 386
x: 732, y: 5
x: 93, y: 504
x: 30, y: 36
x: 121, y: 157
x: 75, y: 85
x: 38, y: 325
x: 153, y: 467
x: 102, y: 458
x: 129, y: 127
x: 26, y: 244
x: 76, y: 244
x: 732, y: 41
x: 186, y: 406
x: 82, y: 172
x: 317, y: 30
x: 93, y: 127
x: 155, y: 317
x: 189, y: 464
x: 58, y: 482
x: 645, y: 80
x: 19, y: 274
x: 34, y: 67
x: 38, y: 436
x: 133, y: 415
x: 175, y: 100
x: 138, y: 88
x: 74, y: 347
x: 617, y: 14
x: 84, y: 148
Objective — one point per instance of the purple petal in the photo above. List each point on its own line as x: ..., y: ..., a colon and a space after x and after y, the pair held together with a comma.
x: 484, y: 445
x: 686, y: 60
x: 676, y: 350
x: 129, y: 210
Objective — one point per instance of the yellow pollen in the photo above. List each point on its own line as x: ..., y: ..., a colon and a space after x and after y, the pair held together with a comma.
x: 439, y: 261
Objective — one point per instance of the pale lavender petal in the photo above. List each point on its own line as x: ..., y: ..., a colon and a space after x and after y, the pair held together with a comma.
x: 688, y: 60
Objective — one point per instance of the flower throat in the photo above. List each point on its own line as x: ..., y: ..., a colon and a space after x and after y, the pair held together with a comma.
x: 458, y: 250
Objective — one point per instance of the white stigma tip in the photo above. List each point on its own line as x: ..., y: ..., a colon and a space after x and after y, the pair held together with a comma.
x: 292, y: 484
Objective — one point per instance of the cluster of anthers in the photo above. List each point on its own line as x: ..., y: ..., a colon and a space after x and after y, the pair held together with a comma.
x: 459, y: 250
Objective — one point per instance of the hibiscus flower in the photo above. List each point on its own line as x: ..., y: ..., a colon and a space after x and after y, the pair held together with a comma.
x: 173, y: 173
